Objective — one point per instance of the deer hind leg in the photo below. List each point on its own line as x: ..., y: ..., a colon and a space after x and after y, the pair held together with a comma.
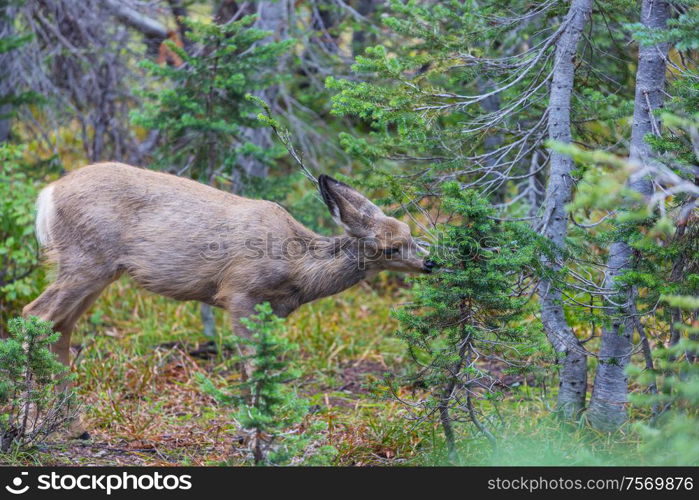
x: 63, y: 303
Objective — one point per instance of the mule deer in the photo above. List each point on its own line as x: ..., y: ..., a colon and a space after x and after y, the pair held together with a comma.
x: 188, y: 241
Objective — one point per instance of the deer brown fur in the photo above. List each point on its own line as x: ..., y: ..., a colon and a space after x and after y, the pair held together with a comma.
x: 188, y: 241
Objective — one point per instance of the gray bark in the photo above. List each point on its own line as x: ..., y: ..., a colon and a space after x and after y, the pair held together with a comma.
x: 609, y: 396
x: 5, y: 122
x: 272, y: 16
x: 75, y: 60
x: 179, y: 11
x: 225, y: 10
x: 208, y: 321
x: 324, y: 19
x: 5, y: 84
x: 492, y: 141
x: 154, y: 32
x: 359, y: 37
x: 131, y: 17
x: 573, y: 374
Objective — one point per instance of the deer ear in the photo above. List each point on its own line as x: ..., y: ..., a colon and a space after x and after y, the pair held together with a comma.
x: 326, y: 192
x: 349, y: 208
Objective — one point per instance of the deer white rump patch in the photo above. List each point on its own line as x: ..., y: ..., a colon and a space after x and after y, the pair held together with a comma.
x: 45, y: 211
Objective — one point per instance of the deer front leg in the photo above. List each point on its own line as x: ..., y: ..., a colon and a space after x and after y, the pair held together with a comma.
x: 243, y: 306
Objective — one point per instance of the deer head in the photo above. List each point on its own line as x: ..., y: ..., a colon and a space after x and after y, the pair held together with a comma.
x: 385, y: 243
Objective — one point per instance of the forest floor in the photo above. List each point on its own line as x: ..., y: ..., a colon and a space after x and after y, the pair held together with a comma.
x: 137, y: 357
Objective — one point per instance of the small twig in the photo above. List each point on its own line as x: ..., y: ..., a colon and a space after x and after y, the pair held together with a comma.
x: 285, y: 138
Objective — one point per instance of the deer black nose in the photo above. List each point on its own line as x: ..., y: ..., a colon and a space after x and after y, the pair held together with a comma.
x: 429, y: 265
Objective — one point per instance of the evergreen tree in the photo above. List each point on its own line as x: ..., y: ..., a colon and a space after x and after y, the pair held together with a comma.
x: 671, y: 436
x: 29, y: 375
x: 470, y: 311
x: 266, y: 404
x: 201, y: 110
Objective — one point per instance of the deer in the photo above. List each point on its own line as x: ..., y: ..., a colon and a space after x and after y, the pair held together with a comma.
x: 189, y: 241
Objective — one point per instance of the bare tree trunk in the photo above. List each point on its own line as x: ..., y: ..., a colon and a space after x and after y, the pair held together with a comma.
x: 609, y: 396
x: 364, y: 8
x: 5, y: 122
x: 154, y: 32
x: 73, y: 57
x: 225, y: 10
x: 324, y: 18
x: 208, y: 320
x: 5, y: 85
x: 492, y: 141
x: 272, y: 16
x: 573, y: 374
x: 179, y: 11
x: 149, y: 27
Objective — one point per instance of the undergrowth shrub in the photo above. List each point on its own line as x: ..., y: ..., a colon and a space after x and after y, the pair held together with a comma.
x: 18, y: 249
x: 31, y: 408
x: 266, y: 405
x: 672, y: 436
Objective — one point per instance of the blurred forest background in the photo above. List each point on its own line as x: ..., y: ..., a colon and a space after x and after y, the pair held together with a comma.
x: 547, y: 150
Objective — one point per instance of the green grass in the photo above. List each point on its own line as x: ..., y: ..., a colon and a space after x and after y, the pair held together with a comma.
x: 137, y: 380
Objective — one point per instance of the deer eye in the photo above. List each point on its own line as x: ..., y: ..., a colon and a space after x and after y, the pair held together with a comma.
x: 390, y: 251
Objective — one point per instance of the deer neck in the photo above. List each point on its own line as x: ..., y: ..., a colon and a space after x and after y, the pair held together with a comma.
x: 331, y: 265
